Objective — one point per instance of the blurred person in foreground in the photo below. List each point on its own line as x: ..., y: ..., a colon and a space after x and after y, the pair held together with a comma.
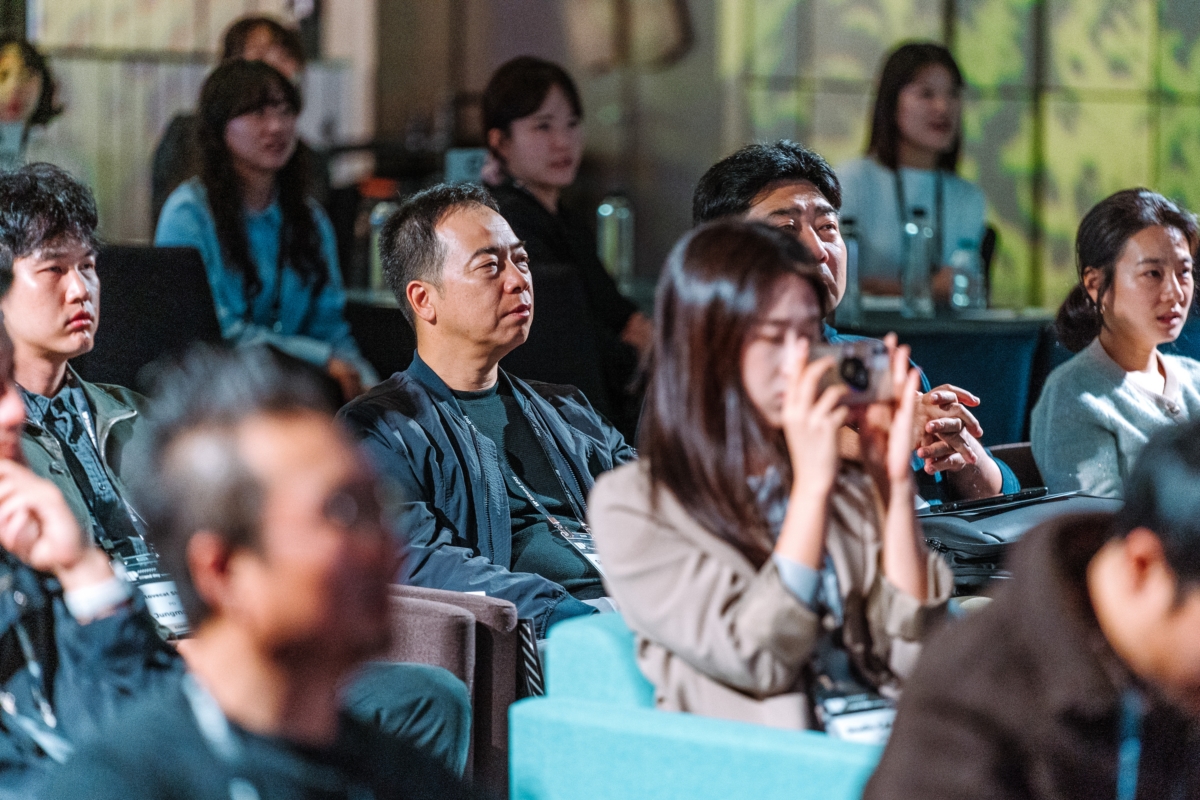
x: 494, y: 470
x: 268, y: 516
x: 76, y: 643
x: 1082, y: 678
x: 78, y: 435
x: 792, y: 188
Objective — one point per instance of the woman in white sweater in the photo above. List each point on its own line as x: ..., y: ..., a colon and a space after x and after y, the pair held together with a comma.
x: 1135, y: 254
x: 910, y: 168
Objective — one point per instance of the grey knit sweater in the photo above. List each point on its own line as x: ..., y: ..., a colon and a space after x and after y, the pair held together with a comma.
x: 1092, y: 421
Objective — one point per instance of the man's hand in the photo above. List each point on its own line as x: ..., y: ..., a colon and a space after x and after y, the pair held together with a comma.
x: 37, y: 527
x: 941, y: 423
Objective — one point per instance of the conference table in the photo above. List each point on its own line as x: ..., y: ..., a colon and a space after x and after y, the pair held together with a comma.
x: 1000, y: 356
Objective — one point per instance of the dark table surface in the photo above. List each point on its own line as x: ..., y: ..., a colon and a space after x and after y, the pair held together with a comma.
x: 999, y: 356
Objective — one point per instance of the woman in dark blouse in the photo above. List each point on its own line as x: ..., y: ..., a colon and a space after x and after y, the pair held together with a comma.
x: 586, y: 333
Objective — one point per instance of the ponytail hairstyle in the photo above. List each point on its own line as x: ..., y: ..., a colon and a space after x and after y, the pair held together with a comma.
x: 233, y: 89
x: 700, y: 433
x: 1101, y: 239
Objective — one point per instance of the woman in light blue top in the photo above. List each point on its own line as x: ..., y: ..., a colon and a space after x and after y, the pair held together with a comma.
x: 268, y: 248
x: 911, y: 160
x: 1135, y: 254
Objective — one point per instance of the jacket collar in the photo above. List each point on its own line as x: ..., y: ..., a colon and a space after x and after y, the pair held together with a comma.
x: 423, y: 374
x: 1054, y: 619
x: 108, y: 408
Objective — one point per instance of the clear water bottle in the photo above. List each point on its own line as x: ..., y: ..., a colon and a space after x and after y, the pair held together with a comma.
x: 967, y: 289
x: 379, y: 215
x: 849, y: 311
x: 614, y: 238
x: 917, y: 279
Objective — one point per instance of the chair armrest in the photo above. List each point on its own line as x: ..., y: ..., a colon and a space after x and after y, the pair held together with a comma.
x: 592, y: 658
x: 439, y: 634
x: 559, y: 746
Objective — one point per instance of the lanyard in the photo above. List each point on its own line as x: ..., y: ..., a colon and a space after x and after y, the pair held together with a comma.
x: 938, y: 202
x: 45, y: 736
x: 219, y: 735
x: 1130, y: 752
x: 582, y: 539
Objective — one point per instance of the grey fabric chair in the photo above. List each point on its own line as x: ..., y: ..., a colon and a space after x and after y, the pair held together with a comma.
x: 438, y: 634
x: 494, y: 682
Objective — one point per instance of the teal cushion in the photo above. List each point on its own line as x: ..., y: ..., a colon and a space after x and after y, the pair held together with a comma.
x: 569, y: 748
x: 592, y: 658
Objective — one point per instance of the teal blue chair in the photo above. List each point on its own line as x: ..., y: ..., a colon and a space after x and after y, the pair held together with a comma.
x: 596, y: 734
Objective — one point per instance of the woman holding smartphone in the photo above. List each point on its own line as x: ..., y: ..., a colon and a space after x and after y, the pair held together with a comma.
x: 744, y: 550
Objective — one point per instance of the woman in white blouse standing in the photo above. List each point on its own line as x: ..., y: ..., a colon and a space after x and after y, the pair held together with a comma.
x: 911, y: 160
x: 1135, y: 253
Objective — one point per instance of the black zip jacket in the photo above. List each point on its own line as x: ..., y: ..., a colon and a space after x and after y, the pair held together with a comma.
x: 453, y: 510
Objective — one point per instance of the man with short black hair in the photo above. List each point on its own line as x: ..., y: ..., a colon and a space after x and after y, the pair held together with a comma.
x: 267, y: 514
x: 77, y: 435
x: 793, y: 188
x: 494, y: 471
x: 1082, y: 679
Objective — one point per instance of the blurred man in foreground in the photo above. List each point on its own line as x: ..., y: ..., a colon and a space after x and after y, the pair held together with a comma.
x: 1082, y: 679
x: 267, y: 515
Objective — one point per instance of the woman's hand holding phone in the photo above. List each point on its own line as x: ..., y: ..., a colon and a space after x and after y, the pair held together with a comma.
x: 810, y: 427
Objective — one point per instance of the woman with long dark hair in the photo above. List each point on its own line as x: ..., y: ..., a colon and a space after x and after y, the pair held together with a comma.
x: 268, y: 248
x: 745, y: 550
x: 590, y: 336
x: 910, y: 168
x: 1135, y: 254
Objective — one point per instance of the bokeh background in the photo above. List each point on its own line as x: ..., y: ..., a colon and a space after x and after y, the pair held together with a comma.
x: 1068, y: 100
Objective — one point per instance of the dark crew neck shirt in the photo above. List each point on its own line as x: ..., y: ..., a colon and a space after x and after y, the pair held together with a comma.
x: 536, y: 546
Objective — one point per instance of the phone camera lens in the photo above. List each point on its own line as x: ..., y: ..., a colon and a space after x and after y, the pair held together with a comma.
x: 855, y: 374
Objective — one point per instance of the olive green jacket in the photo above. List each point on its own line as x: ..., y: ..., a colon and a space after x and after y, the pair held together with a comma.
x: 118, y: 413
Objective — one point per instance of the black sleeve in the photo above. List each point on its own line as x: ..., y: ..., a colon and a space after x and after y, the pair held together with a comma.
x: 946, y: 745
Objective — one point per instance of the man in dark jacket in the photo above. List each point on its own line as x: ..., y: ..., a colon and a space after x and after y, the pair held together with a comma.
x: 494, y: 472
x: 1082, y: 679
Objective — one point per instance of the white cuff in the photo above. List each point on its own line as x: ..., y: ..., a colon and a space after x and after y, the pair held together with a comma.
x: 91, y: 601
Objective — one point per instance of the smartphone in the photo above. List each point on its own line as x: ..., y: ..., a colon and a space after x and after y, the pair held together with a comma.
x: 863, y: 366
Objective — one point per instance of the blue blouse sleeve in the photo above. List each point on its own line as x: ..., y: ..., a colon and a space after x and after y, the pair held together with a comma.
x: 187, y: 222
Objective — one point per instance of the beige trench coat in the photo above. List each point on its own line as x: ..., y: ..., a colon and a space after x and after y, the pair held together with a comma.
x: 718, y: 637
